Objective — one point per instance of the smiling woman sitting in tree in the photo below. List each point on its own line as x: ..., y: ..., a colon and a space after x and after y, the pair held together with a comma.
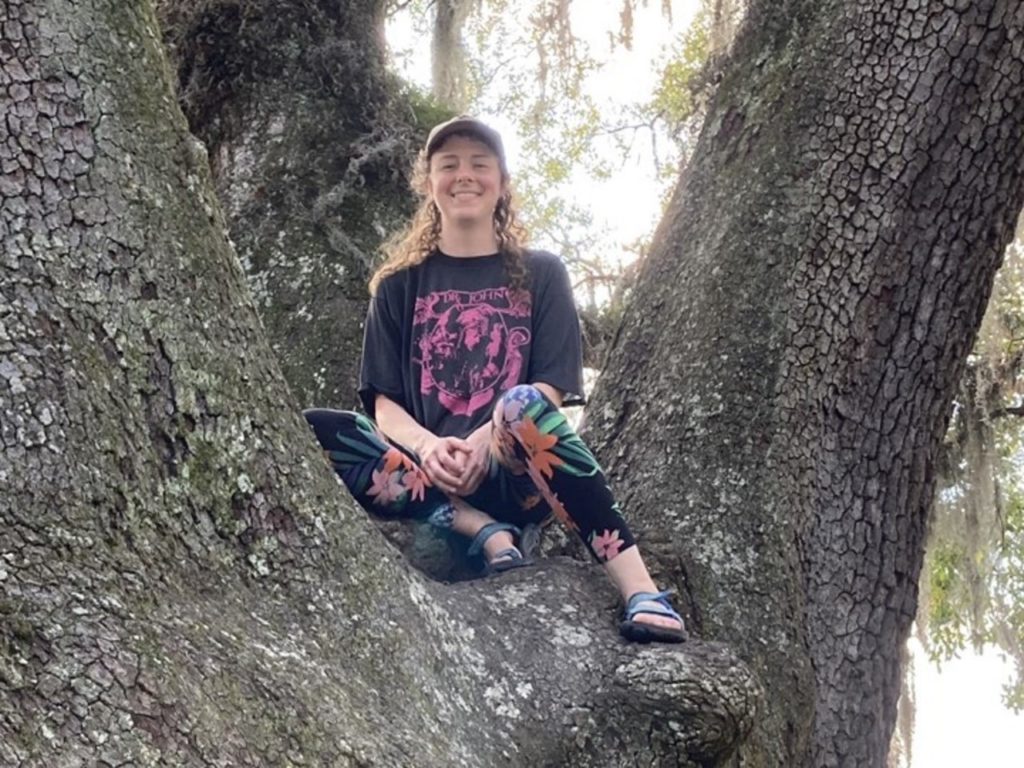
x: 472, y: 345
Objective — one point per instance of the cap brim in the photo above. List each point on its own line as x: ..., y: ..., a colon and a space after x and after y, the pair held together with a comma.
x: 474, y: 127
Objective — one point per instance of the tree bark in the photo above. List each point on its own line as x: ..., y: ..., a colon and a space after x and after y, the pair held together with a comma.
x: 184, y: 581
x: 448, y: 54
x: 309, y: 144
x: 773, y: 407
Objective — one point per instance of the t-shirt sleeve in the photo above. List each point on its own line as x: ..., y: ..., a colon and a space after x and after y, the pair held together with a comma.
x: 381, y: 369
x: 556, y: 357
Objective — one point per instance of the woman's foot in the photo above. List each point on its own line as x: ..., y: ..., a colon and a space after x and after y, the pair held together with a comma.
x: 649, y: 615
x: 494, y: 541
x: 500, y: 549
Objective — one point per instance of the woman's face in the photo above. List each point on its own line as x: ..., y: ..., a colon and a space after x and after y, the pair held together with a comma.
x: 465, y: 181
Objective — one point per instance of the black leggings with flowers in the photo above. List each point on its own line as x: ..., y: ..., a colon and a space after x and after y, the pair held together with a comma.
x: 538, y: 466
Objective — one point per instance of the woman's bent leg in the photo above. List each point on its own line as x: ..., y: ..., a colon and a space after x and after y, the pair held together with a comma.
x: 383, y: 476
x: 386, y: 478
x: 531, y: 436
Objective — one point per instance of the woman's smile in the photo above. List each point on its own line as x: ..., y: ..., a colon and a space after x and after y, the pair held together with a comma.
x: 465, y: 181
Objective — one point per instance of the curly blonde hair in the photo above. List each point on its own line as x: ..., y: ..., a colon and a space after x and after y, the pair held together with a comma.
x: 414, y: 244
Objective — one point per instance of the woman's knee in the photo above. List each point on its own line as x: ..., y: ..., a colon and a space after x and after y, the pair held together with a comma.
x: 521, y: 396
x: 328, y: 423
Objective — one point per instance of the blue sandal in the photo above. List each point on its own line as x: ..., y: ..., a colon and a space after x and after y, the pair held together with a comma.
x: 506, y: 559
x: 641, y: 632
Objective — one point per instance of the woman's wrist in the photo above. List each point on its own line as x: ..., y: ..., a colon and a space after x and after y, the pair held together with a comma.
x: 481, y: 434
x: 424, y: 443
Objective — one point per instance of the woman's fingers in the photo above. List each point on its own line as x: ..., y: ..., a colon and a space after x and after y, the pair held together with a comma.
x: 452, y: 462
x: 440, y: 476
x: 443, y: 464
x: 476, y: 460
x: 453, y: 466
x: 473, y: 474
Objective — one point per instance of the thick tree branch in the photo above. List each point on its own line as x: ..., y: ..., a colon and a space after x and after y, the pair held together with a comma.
x: 184, y: 581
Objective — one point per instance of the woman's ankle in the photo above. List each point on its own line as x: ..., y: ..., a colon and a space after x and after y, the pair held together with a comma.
x: 629, y: 574
x: 498, y: 542
x: 467, y: 519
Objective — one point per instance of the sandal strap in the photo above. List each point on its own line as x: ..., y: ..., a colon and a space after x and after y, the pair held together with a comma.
x: 511, y: 553
x: 477, y: 545
x: 661, y: 606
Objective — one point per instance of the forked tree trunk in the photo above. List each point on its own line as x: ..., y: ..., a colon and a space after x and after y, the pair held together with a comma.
x: 449, y: 71
x: 184, y: 582
x: 775, y: 402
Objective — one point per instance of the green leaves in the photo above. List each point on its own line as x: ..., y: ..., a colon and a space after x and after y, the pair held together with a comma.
x: 972, y: 585
x: 677, y: 100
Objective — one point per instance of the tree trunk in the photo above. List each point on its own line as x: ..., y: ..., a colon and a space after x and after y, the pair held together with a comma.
x: 184, y: 582
x: 309, y: 148
x: 448, y: 54
x: 775, y: 402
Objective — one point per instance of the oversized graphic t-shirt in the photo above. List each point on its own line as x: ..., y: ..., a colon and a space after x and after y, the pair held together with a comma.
x: 445, y: 338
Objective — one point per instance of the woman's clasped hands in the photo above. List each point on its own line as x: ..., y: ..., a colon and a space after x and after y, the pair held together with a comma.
x: 458, y: 465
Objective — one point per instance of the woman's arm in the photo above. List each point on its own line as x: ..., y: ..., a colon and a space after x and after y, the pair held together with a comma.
x: 442, y: 458
x: 395, y: 422
x: 553, y: 394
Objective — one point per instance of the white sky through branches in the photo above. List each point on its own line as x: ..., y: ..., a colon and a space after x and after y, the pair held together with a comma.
x: 627, y: 205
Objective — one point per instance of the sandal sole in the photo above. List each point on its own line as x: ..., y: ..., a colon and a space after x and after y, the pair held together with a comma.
x: 638, y: 632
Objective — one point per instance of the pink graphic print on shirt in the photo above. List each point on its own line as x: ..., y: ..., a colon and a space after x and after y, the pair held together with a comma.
x: 468, y: 345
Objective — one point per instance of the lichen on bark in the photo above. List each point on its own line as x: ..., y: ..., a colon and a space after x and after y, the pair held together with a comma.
x: 310, y: 140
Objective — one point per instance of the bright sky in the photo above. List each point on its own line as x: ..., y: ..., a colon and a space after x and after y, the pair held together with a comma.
x: 960, y: 719
x: 626, y: 205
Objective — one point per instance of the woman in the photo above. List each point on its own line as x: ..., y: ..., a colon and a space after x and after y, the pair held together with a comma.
x: 471, y: 346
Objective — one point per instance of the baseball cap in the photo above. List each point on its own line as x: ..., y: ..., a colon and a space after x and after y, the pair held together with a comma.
x: 470, y: 125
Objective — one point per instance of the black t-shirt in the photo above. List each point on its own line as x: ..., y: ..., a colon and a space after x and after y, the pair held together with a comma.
x: 446, y: 338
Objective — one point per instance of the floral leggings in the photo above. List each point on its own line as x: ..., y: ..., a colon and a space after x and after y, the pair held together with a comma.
x: 538, y: 466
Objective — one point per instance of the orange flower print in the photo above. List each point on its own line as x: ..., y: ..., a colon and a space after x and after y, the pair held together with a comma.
x: 561, y: 513
x: 545, y: 462
x: 416, y: 481
x: 394, y: 458
x: 536, y: 445
x: 533, y: 440
x: 559, y: 510
x: 387, y: 487
x: 605, y: 545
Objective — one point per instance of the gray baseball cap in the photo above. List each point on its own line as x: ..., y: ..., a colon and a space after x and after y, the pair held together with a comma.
x: 472, y: 126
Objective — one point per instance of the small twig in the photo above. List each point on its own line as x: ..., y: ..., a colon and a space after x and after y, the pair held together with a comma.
x: 1016, y: 410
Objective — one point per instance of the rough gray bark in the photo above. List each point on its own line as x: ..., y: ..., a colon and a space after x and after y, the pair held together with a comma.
x: 184, y: 581
x: 774, y: 405
x: 309, y: 145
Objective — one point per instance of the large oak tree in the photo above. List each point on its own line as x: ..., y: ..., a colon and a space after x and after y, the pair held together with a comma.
x: 185, y: 584
x: 309, y: 141
x: 184, y: 581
